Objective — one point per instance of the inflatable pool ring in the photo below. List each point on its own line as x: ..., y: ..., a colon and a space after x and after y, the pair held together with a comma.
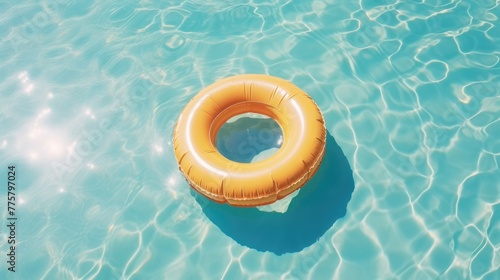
x: 249, y: 184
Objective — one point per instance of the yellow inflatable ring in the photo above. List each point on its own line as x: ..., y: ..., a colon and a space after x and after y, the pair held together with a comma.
x: 249, y: 184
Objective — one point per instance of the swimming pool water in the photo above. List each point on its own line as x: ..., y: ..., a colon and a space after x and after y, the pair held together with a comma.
x: 90, y: 91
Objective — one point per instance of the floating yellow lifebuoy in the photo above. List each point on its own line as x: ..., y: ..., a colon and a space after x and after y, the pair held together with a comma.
x: 249, y: 184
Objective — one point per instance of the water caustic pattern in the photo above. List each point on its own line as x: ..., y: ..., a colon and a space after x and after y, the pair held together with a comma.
x: 90, y: 91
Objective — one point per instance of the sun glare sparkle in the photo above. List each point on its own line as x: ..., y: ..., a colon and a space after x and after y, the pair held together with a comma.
x: 29, y: 88
x: 158, y: 148
x: 171, y: 181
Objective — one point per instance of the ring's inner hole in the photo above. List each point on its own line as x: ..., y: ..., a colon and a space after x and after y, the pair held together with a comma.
x: 249, y: 137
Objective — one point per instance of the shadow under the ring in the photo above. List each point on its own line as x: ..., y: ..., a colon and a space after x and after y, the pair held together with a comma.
x: 247, y: 137
x: 319, y: 204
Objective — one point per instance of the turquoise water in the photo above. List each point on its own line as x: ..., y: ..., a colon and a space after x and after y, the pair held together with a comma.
x: 90, y: 91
